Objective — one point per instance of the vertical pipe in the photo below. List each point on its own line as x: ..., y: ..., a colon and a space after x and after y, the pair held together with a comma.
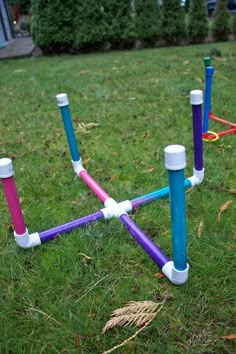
x: 63, y: 103
x: 6, y: 174
x: 196, y: 101
x: 209, y: 72
x: 175, y: 162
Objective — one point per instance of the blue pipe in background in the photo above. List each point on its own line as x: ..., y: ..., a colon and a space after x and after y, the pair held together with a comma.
x: 207, y: 105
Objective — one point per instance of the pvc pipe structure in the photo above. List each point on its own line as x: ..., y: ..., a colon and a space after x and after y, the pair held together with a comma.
x: 176, y: 271
x: 196, y: 100
x: 207, y: 106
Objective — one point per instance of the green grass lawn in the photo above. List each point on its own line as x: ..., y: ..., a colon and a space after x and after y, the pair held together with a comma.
x: 57, y: 298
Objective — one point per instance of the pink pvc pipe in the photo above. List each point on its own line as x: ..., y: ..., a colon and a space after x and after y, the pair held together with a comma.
x: 100, y: 193
x: 14, y: 205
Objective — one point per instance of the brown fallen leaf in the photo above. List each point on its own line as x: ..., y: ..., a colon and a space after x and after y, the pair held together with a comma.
x: 77, y: 340
x: 230, y: 337
x: 233, y: 191
x: 200, y: 229
x: 224, y: 207
x: 159, y: 275
x: 150, y: 170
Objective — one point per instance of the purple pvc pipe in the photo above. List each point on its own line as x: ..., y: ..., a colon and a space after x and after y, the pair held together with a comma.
x: 58, y: 230
x: 197, y: 137
x: 149, y: 246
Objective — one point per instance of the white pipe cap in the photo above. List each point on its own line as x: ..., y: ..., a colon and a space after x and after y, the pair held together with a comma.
x: 196, y: 97
x: 175, y: 158
x: 62, y: 99
x: 6, y: 168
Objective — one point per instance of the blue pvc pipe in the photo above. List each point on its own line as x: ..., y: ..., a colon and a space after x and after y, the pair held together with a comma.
x: 65, y: 112
x: 207, y: 106
x: 178, y: 218
x: 158, y: 194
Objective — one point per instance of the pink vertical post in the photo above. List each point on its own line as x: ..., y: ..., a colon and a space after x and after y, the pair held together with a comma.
x: 8, y: 182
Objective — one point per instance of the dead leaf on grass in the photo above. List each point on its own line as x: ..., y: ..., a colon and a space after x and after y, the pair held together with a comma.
x: 223, y: 208
x: 150, y: 170
x: 200, y: 229
x: 230, y: 337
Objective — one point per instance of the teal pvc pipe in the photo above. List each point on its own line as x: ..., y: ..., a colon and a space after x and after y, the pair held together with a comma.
x: 65, y: 112
x: 178, y: 218
x: 158, y: 194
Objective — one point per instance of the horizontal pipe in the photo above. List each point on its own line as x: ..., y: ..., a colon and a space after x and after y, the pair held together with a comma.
x: 159, y: 194
x: 58, y: 230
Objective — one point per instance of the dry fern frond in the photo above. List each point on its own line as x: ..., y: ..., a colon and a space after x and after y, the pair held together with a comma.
x: 140, y: 313
x: 85, y: 127
x: 133, y: 313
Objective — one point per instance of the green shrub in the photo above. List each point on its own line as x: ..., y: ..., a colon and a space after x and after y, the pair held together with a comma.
x: 198, y: 21
x: 120, y: 32
x: 234, y: 24
x: 52, y: 25
x: 89, y: 25
x: 221, y: 26
x: 147, y: 21
x: 173, y: 22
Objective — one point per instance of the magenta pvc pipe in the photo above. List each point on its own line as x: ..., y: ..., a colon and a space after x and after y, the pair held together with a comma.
x: 14, y: 205
x: 94, y: 186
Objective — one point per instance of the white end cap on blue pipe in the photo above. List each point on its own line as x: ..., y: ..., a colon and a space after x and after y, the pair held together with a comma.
x: 62, y: 99
x: 175, y: 158
x: 6, y: 168
x: 196, y: 97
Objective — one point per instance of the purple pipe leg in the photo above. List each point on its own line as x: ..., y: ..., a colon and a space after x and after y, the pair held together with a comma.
x: 58, y: 230
x: 196, y: 101
x: 149, y: 246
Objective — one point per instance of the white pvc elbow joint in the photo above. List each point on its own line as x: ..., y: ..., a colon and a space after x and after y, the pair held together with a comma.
x: 177, y: 277
x: 114, y: 209
x: 27, y: 240
x: 197, y: 177
x: 78, y: 166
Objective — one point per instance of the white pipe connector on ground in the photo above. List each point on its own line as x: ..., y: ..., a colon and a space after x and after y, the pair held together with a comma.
x: 177, y: 277
x: 114, y: 209
x: 78, y: 166
x: 27, y: 240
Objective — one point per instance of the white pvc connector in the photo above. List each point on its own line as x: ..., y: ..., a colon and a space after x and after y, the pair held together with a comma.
x: 196, y: 97
x: 175, y: 158
x: 6, y: 168
x: 177, y: 277
x: 62, y: 99
x: 78, y: 166
x: 197, y: 177
x: 113, y: 209
x: 27, y: 240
